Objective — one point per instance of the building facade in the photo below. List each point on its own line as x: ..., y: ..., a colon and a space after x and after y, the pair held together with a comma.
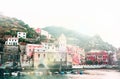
x: 39, y: 57
x: 21, y: 35
x: 12, y: 41
x: 38, y: 30
x: 77, y: 55
x: 98, y: 57
x: 11, y: 53
x: 45, y: 33
x: 30, y: 49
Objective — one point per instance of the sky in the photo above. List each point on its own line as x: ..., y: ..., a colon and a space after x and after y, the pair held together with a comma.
x: 89, y: 17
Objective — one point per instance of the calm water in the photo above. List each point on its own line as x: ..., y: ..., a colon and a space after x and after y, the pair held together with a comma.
x: 35, y: 77
x: 93, y: 74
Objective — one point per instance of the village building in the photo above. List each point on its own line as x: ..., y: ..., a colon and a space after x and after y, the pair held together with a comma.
x: 30, y: 49
x: 38, y: 30
x: 77, y: 55
x: 12, y: 41
x: 61, y: 47
x: 11, y: 53
x: 112, y: 58
x: 39, y: 57
x: 45, y: 33
x: 98, y: 57
x: 47, y: 55
x: 21, y: 35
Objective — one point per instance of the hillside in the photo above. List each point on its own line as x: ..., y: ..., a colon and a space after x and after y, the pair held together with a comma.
x: 9, y: 26
x: 81, y: 40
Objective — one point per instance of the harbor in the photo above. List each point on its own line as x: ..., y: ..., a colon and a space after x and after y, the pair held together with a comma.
x: 91, y: 74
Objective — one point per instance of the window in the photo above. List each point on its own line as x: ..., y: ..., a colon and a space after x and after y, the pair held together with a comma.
x: 99, y: 56
x: 44, y: 55
x: 38, y: 55
x: 30, y: 50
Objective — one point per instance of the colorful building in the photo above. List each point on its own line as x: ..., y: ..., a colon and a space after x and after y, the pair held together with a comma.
x: 38, y: 30
x: 30, y: 48
x: 77, y: 55
x: 39, y: 57
x: 98, y: 57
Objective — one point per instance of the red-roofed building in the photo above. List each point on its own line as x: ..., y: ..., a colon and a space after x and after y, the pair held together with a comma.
x: 99, y: 56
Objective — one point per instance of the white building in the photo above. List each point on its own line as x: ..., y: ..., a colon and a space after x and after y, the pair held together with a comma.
x: 12, y: 41
x: 62, y: 42
x: 49, y: 47
x: 21, y: 35
x: 45, y: 33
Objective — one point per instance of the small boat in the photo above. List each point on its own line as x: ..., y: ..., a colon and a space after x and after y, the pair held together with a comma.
x: 56, y: 72
x: 15, y: 73
x: 62, y: 72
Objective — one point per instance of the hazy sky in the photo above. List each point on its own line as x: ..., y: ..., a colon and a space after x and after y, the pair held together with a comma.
x: 85, y: 16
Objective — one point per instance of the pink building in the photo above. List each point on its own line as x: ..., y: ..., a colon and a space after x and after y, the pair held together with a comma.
x: 38, y: 30
x: 30, y: 48
x: 99, y: 56
x: 43, y: 32
x: 39, y: 57
x: 77, y: 54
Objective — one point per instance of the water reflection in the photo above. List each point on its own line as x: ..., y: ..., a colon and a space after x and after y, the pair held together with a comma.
x: 35, y: 77
x: 91, y: 74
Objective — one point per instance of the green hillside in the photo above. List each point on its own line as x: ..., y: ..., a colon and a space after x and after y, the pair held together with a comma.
x: 81, y: 40
x: 9, y: 26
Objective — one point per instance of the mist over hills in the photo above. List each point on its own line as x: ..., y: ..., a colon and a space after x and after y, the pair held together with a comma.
x: 10, y: 25
x: 84, y: 41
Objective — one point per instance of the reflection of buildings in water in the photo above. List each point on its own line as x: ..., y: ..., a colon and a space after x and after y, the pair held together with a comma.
x: 0, y: 58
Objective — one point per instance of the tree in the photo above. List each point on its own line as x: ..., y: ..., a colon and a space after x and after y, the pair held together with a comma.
x: 8, y: 33
x: 43, y: 38
x: 31, y: 33
x: 89, y: 62
x: 22, y: 40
